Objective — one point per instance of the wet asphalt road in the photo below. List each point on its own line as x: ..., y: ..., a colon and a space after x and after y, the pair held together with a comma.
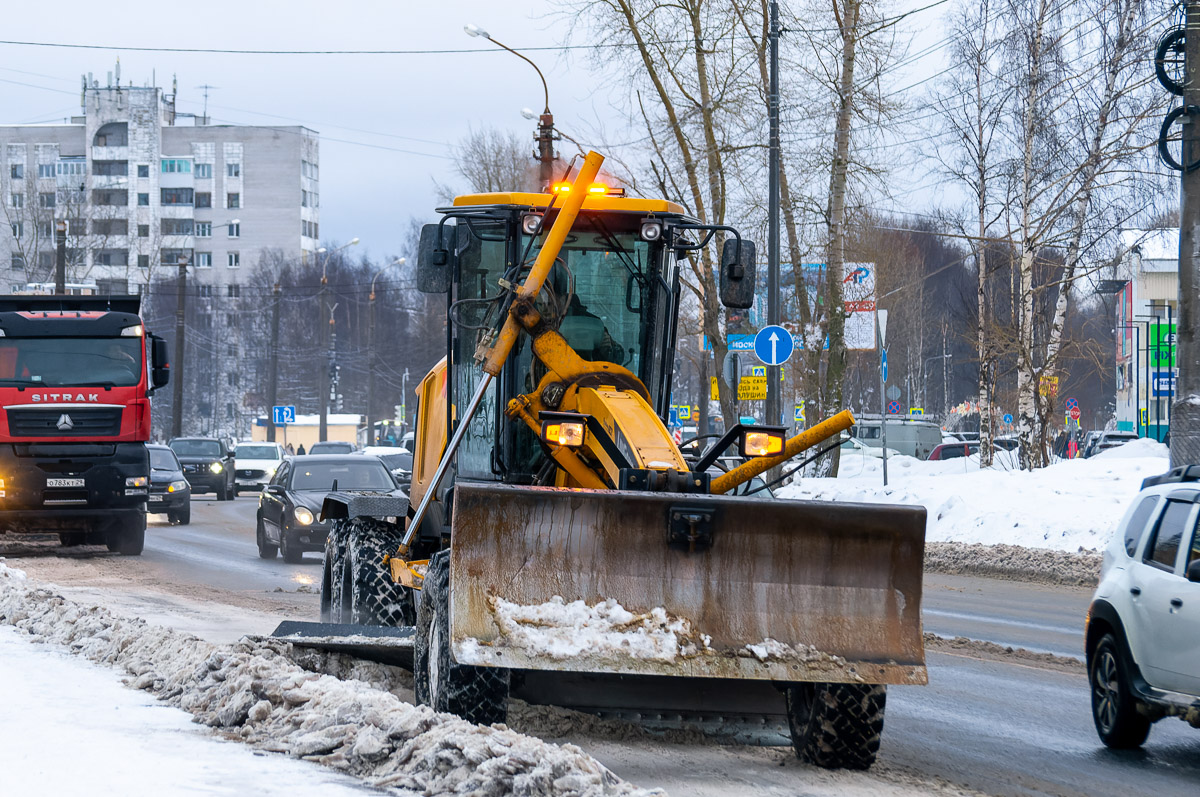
x: 1002, y: 728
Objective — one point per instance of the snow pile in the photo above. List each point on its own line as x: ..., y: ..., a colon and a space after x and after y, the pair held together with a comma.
x: 1071, y: 505
x: 562, y: 630
x: 251, y: 690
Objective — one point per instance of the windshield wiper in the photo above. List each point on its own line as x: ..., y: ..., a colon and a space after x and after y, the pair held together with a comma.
x: 23, y: 382
x: 105, y: 385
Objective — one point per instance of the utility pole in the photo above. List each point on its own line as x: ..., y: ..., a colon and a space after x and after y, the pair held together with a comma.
x: 273, y: 385
x: 1185, y: 430
x: 177, y: 365
x: 774, y: 410
x: 323, y: 390
x: 545, y: 139
x: 371, y: 367
x: 60, y: 256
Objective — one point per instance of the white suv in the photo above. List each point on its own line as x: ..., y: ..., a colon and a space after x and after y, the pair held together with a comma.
x: 1143, y: 626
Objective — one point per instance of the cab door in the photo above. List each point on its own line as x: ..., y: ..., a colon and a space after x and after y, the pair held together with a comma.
x: 1166, y: 606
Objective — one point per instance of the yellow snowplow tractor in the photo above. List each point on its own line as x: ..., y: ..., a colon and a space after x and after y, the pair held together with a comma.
x: 558, y: 543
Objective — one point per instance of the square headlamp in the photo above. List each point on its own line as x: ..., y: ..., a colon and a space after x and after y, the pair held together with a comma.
x: 563, y: 428
x: 763, y: 441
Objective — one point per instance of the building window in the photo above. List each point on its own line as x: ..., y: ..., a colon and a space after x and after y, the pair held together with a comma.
x: 77, y: 167
x: 46, y: 200
x: 235, y: 290
x: 233, y: 201
x: 233, y: 380
x: 203, y: 171
x: 230, y: 320
x: 309, y: 229
x: 143, y: 170
x: 176, y: 166
x: 143, y: 200
x: 204, y: 259
x: 177, y: 196
x: 143, y: 231
x: 18, y: 229
x: 206, y: 290
x: 45, y: 170
x: 113, y: 134
x: 309, y: 199
x: 234, y: 260
x: 143, y: 261
x: 17, y: 263
x: 17, y: 171
x: 176, y: 226
x: 308, y: 170
x: 229, y: 411
x: 203, y: 199
x: 110, y: 198
x: 235, y: 230
x: 105, y: 168
x: 16, y: 200
x: 203, y: 228
x: 233, y: 170
x: 112, y: 257
x: 110, y: 227
x: 45, y: 229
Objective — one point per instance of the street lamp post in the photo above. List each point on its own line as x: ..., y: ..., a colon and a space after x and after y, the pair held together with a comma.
x: 400, y: 261
x: 328, y: 341
x: 545, y: 134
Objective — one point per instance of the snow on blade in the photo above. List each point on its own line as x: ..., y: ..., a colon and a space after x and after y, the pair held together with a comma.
x: 252, y: 690
x: 562, y: 630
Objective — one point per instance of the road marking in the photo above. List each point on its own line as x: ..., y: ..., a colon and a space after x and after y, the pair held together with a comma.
x: 983, y: 618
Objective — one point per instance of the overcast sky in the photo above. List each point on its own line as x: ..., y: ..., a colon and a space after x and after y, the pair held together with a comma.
x: 386, y: 121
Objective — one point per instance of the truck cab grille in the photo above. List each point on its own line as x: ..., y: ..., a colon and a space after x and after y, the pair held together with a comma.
x: 82, y: 422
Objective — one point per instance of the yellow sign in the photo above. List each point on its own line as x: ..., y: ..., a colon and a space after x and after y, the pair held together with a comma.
x: 716, y: 394
x: 752, y: 388
x: 916, y: 410
x: 1048, y: 386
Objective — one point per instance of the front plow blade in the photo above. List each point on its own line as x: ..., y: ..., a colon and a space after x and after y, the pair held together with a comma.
x: 588, y: 581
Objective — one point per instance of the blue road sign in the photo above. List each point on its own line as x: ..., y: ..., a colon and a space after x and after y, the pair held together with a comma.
x: 1008, y: 419
x: 674, y: 417
x: 282, y: 416
x: 1164, y: 384
x: 883, y: 364
x: 773, y: 345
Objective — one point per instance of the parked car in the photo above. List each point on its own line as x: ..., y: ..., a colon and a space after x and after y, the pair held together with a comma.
x: 954, y: 450
x: 1008, y: 442
x: 170, y: 493
x: 915, y: 437
x: 290, y: 505
x: 255, y: 464
x: 397, y: 460
x: 1110, y: 440
x: 332, y: 447
x: 207, y: 465
x: 1143, y: 625
x: 1088, y: 446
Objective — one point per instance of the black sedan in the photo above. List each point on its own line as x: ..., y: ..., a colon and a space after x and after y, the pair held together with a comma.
x: 289, y: 506
x: 169, y: 491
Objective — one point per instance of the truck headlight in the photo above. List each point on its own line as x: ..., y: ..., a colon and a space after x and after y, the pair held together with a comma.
x: 136, y: 481
x: 177, y: 487
x: 563, y: 428
x: 303, y: 516
x: 216, y: 467
x: 762, y: 442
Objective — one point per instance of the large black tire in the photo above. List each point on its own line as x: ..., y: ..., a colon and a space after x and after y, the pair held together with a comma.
x: 332, y: 565
x: 127, y: 538
x: 288, y: 546
x: 478, y: 694
x: 836, y: 726
x: 1114, y: 708
x: 265, y: 549
x: 180, y: 517
x: 372, y: 597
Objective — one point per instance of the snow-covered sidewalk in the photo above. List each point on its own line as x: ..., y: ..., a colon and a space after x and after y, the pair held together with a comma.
x: 1069, y: 506
x: 71, y: 728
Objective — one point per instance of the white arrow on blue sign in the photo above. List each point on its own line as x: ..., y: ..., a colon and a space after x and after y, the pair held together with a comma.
x: 883, y: 364
x: 283, y: 415
x: 1008, y: 419
x: 773, y: 345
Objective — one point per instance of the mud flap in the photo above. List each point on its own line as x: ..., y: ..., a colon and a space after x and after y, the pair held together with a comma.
x: 706, y: 586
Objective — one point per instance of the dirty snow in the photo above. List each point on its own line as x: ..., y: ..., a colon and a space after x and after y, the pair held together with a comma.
x: 564, y: 630
x: 1070, y: 506
x: 251, y: 691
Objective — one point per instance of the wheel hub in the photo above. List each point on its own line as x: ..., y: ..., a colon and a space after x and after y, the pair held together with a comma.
x: 434, y: 664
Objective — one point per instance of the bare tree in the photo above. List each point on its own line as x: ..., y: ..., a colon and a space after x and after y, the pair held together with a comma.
x: 489, y: 159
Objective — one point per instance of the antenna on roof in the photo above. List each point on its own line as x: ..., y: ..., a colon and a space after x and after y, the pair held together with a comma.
x: 206, y: 87
x: 118, y: 71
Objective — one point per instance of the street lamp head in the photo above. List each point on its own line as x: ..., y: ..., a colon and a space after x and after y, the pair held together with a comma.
x: 528, y: 113
x: 235, y: 221
x: 322, y: 251
x: 353, y: 241
x: 400, y: 261
x: 474, y: 31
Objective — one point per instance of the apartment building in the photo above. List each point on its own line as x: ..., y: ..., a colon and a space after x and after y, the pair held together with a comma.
x: 141, y: 186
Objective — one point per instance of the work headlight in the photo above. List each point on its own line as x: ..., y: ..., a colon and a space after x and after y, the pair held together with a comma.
x: 652, y: 230
x: 531, y: 223
x: 563, y: 428
x: 763, y: 441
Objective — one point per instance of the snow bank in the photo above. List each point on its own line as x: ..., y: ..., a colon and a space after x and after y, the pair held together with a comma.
x: 1070, y: 506
x: 251, y: 690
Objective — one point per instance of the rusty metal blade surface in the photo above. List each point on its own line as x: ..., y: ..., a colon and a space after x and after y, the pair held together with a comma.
x: 789, y: 590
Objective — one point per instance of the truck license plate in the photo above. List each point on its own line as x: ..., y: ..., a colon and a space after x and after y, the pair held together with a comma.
x: 64, y: 482
x: 154, y: 498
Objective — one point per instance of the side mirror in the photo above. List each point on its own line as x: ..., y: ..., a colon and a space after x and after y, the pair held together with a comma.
x: 160, y: 363
x: 1193, y: 571
x: 737, y: 274
x: 435, y: 259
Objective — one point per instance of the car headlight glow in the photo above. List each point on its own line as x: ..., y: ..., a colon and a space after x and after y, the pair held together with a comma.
x: 216, y: 467
x: 177, y: 487
x: 303, y: 516
x: 136, y: 481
